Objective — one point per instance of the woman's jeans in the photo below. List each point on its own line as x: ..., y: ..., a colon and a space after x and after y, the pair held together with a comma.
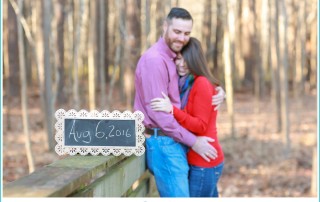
x: 203, y: 181
x: 167, y: 161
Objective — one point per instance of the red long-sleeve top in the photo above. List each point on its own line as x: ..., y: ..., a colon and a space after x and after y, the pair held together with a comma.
x: 200, y: 118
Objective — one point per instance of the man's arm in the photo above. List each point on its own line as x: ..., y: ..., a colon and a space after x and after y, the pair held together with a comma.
x: 154, y: 80
x: 204, y: 149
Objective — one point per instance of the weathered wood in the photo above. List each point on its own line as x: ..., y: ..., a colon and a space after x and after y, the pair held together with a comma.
x: 47, y: 181
x: 141, y: 187
x: 117, y: 180
x: 142, y: 190
x: 62, y: 177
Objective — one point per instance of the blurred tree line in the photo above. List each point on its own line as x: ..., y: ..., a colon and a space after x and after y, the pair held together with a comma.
x: 77, y: 53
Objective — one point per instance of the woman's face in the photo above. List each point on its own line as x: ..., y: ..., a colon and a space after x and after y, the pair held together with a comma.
x: 181, y: 65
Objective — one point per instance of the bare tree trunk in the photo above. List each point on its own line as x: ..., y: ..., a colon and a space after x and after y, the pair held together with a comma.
x: 38, y: 51
x: 160, y: 16
x: 53, y: 44
x: 217, y: 56
x: 228, y: 64
x: 59, y: 59
x: 275, y: 52
x: 314, y: 171
x: 42, y: 63
x: 211, y: 51
x: 206, y: 28
x: 118, y: 49
x: 299, y: 57
x: 153, y: 23
x: 134, y: 31
x: 284, y: 74
x: 248, y: 45
x: 146, y: 21
x: 102, y: 53
x: 265, y: 42
x: 300, y: 50
x: 132, y: 47
x: 239, y: 59
x: 256, y: 57
x: 31, y: 41
x: 232, y: 13
x: 13, y: 50
x: 107, y: 45
x: 39, y: 47
x: 76, y: 55
x: 313, y: 47
x: 84, y: 43
x: 30, y: 63
x: 123, y: 33
x: 293, y: 42
x: 24, y: 96
x: 91, y: 56
x: 49, y: 109
x: 6, y: 77
x: 69, y: 41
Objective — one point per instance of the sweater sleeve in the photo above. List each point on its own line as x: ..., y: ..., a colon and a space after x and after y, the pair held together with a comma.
x: 195, y: 117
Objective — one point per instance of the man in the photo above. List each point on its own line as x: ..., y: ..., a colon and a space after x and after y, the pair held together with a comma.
x: 156, y: 72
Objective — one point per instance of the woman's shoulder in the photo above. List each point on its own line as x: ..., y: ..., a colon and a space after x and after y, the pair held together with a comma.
x: 203, y: 81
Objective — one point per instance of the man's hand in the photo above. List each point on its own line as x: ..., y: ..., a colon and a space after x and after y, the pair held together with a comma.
x: 218, y: 98
x: 204, y: 148
x: 161, y: 104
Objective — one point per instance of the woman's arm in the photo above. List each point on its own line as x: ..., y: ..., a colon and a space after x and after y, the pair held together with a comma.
x: 197, y: 118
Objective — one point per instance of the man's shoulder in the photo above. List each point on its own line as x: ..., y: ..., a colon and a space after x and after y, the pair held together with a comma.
x: 153, y: 53
x: 152, y: 57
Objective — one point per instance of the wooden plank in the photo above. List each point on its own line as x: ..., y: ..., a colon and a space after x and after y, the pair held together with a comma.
x: 138, y: 186
x: 47, y: 181
x: 61, y: 178
x: 88, y: 161
x: 141, y: 190
x: 118, y: 180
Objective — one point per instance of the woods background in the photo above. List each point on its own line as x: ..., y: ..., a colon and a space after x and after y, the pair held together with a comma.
x: 81, y: 54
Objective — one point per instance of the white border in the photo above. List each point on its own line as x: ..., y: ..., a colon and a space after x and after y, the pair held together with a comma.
x: 61, y: 149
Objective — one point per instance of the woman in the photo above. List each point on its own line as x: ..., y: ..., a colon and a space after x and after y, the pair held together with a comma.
x: 197, y: 114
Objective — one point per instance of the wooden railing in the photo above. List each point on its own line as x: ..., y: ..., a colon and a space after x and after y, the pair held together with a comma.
x: 86, y: 176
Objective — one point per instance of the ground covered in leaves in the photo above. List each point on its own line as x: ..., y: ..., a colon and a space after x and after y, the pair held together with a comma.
x: 256, y: 162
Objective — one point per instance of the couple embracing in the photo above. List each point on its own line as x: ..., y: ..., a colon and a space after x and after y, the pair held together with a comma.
x: 179, y: 97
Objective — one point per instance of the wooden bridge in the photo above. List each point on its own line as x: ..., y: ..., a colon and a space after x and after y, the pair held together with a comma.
x: 87, y: 176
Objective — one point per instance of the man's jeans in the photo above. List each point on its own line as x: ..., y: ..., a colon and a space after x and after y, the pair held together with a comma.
x: 167, y: 161
x: 203, y: 181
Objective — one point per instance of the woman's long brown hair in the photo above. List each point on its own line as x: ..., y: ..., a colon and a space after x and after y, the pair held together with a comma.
x: 196, y: 62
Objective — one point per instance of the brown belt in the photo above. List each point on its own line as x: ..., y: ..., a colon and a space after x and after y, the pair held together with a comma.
x: 150, y: 131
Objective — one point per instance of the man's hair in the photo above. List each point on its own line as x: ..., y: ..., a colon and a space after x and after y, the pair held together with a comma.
x: 177, y: 12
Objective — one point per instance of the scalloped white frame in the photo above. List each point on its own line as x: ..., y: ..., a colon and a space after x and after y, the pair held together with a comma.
x: 62, y: 149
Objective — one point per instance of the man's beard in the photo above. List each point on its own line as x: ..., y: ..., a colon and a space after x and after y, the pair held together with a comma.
x: 171, y: 44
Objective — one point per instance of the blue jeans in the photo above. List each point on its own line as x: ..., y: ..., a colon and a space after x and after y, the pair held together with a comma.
x: 203, y: 181
x: 167, y: 161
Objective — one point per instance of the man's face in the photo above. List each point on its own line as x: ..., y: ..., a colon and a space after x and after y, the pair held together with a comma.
x: 177, y: 33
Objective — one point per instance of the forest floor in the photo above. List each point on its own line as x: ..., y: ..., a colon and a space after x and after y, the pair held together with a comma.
x: 255, y: 161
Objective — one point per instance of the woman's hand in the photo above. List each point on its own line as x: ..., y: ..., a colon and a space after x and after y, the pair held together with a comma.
x: 162, y: 104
